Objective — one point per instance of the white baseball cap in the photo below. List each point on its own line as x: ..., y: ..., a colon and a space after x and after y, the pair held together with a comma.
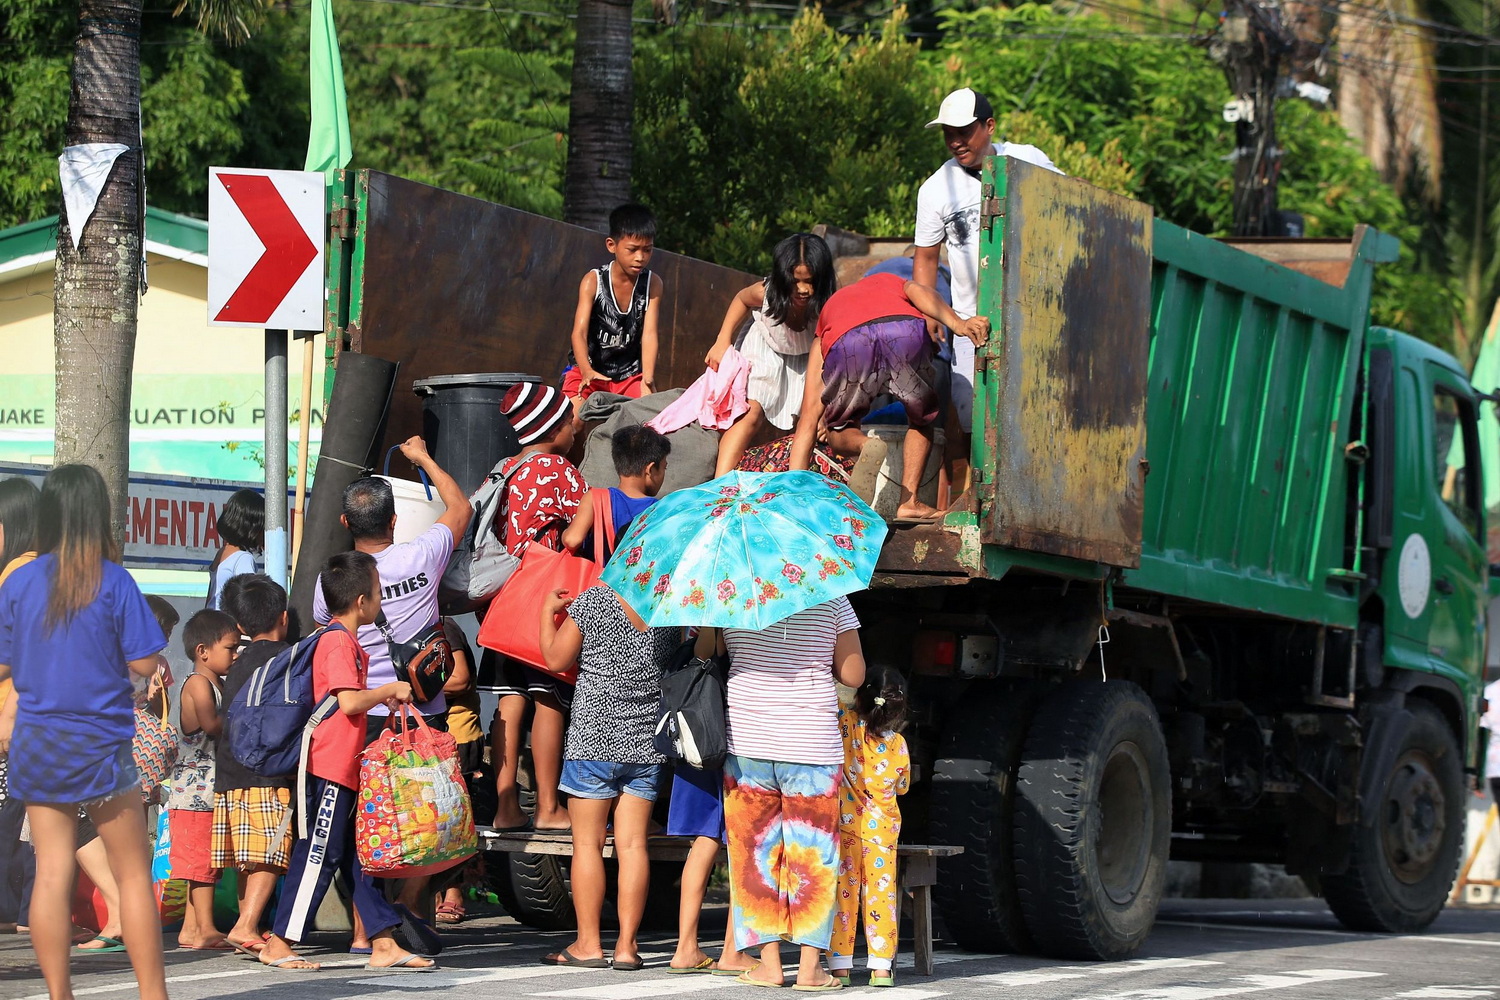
x: 963, y: 107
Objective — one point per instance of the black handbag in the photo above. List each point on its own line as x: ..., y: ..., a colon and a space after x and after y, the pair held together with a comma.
x: 425, y: 661
x: 692, y: 725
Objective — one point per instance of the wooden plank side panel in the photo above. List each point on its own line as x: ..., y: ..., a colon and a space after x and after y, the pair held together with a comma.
x: 1069, y: 409
x: 452, y: 284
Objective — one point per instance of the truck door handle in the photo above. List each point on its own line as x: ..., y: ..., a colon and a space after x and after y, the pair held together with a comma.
x: 1443, y: 586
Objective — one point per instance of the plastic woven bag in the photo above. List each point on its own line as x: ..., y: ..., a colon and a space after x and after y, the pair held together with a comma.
x: 414, y: 816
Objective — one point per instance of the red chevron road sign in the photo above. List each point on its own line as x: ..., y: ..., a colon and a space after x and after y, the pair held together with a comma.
x: 265, y: 248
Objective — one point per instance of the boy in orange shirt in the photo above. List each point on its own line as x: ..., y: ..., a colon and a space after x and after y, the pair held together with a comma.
x: 351, y: 589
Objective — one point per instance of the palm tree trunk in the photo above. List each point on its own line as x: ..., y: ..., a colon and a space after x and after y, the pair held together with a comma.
x: 96, y: 287
x: 601, y: 113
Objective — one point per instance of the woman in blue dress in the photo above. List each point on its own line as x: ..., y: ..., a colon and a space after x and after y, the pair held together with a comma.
x: 73, y: 628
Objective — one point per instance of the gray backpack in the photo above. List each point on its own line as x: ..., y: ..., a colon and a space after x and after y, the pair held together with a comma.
x: 480, y: 563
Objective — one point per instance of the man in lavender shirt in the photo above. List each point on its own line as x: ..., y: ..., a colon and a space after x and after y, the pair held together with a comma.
x: 409, y: 576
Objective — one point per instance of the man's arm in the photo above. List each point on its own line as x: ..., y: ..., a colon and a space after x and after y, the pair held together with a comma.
x: 806, y: 435
x: 649, y: 340
x: 587, y: 289
x: 932, y: 305
x: 457, y: 510
x: 924, y: 271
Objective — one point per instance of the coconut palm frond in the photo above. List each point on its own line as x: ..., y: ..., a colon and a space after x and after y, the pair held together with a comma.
x: 232, y: 20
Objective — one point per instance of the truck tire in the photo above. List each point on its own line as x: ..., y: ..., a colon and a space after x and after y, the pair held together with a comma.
x: 1093, y: 821
x: 537, y: 891
x: 1402, y: 863
x: 976, y: 891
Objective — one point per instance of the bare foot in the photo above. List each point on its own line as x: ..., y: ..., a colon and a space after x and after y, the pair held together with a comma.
x: 279, y: 954
x: 387, y: 955
x: 507, y: 820
x: 688, y: 958
x: 916, y: 510
x: 558, y: 820
x: 764, y: 975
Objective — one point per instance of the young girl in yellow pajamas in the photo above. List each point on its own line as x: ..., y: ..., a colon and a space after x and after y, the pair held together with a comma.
x: 877, y: 768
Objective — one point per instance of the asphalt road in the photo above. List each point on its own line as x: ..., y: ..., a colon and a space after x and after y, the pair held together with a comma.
x: 1201, y: 950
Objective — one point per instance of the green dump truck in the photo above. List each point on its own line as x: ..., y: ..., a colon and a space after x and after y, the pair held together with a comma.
x: 1217, y: 592
x: 1220, y: 594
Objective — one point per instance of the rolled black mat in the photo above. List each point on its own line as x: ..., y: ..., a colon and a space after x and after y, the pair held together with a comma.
x: 362, y: 388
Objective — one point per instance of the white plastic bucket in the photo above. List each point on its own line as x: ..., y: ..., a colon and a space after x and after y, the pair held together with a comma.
x: 417, y: 504
x: 414, y: 512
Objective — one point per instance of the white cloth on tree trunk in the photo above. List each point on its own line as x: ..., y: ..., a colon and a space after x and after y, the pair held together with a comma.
x: 84, y: 169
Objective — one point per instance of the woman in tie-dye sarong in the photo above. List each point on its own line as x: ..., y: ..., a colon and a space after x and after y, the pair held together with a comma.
x: 781, y: 784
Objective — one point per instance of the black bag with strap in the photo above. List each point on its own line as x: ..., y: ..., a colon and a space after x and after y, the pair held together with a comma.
x: 425, y: 661
x: 692, y: 725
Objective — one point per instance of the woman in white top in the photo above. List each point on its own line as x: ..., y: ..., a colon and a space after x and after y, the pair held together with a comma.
x: 783, y: 310
x: 242, y: 532
x: 781, y: 783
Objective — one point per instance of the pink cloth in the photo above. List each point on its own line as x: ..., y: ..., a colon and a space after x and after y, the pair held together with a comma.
x: 716, y: 400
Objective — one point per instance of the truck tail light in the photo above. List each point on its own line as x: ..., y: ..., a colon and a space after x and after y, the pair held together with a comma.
x: 935, y: 653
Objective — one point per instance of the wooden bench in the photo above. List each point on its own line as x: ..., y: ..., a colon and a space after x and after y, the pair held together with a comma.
x: 918, y: 866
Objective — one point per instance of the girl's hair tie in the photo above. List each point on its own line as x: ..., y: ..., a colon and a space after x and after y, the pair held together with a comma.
x: 879, y: 700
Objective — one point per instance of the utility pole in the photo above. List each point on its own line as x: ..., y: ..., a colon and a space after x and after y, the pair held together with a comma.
x: 1252, y: 40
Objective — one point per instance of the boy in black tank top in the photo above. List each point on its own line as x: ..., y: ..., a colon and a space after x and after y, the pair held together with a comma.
x: 614, y: 327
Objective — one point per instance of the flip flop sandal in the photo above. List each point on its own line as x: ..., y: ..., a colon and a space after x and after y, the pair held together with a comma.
x: 566, y: 957
x: 629, y: 965
x: 450, y: 913
x: 876, y: 979
x: 111, y: 945
x: 728, y: 972
x: 282, y: 964
x: 828, y: 987
x: 223, y: 945
x: 248, y: 949
x: 703, y: 966
x: 744, y: 977
x: 360, y: 951
x: 403, y: 965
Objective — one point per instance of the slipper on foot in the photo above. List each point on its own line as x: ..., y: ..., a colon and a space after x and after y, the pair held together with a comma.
x: 628, y: 965
x: 221, y: 945
x: 403, y: 965
x: 283, y: 964
x: 744, y: 977
x: 876, y: 979
x: 111, y: 945
x: 359, y: 951
x: 566, y: 957
x: 827, y: 987
x: 704, y: 966
x: 249, y: 949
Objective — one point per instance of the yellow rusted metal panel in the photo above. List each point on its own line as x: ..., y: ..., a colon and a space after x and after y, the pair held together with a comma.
x: 1063, y: 379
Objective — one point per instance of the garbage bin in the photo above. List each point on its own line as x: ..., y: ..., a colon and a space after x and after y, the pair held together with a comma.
x: 462, y: 424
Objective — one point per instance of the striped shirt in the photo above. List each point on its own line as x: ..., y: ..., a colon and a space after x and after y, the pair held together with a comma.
x: 783, y: 703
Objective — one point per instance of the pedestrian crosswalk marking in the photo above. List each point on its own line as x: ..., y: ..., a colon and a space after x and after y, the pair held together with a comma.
x: 1448, y: 992
x: 643, y: 989
x: 1236, y: 986
x: 463, y: 977
x: 1057, y: 973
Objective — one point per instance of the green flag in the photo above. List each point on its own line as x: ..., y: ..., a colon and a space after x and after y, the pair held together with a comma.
x: 1487, y: 379
x: 328, y: 143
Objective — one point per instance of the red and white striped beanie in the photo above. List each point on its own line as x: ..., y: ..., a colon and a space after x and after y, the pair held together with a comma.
x: 535, y: 410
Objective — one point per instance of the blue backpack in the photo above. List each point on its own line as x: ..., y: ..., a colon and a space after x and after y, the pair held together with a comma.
x: 270, y: 721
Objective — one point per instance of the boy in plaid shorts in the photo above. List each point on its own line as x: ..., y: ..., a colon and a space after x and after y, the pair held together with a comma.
x: 253, y: 826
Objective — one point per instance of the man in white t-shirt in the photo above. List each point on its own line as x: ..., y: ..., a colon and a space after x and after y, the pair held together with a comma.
x: 948, y: 214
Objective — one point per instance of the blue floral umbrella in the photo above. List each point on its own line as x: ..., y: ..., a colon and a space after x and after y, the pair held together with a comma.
x: 746, y: 550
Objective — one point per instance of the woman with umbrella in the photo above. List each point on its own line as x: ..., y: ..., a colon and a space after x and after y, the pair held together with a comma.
x: 769, y: 558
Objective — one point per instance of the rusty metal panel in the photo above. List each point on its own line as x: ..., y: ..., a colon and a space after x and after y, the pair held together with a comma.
x: 1065, y: 276
x: 448, y: 284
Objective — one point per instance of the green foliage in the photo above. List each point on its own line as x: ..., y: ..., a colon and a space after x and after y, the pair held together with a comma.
x: 195, y: 101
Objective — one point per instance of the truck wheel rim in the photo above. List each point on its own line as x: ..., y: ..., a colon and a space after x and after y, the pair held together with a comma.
x: 1414, y: 819
x: 1125, y: 823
